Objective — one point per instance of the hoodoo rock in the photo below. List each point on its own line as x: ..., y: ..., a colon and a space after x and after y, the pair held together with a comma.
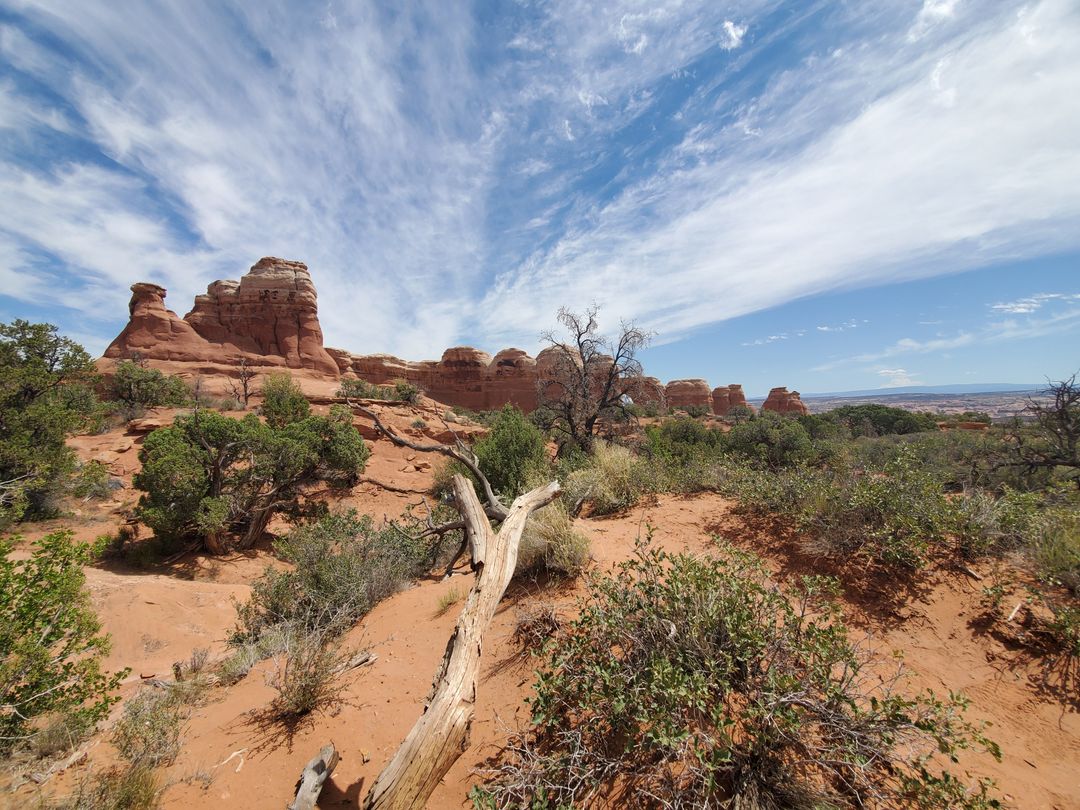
x: 155, y: 332
x: 737, y: 398
x: 270, y: 317
x: 688, y: 393
x: 721, y: 400
x: 780, y: 400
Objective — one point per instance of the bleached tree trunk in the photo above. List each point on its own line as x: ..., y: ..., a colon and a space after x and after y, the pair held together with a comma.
x: 442, y: 732
x: 315, y: 774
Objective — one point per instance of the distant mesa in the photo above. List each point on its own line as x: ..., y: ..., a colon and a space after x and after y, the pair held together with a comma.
x: 270, y: 318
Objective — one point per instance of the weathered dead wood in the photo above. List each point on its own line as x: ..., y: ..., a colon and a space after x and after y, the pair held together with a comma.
x: 313, y: 776
x: 361, y: 659
x: 442, y: 732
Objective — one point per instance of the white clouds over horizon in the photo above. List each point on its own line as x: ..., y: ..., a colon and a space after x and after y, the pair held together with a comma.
x: 451, y: 180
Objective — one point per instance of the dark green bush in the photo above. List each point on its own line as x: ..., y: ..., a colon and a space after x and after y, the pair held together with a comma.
x: 283, y: 401
x: 512, y: 452
x: 770, y: 439
x: 50, y: 641
x: 872, y: 419
x: 212, y: 477
x: 46, y: 394
x: 695, y: 682
x: 136, y: 385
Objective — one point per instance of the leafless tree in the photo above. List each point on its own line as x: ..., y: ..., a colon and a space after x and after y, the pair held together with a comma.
x: 592, y: 377
x: 241, y: 387
x: 1055, y: 441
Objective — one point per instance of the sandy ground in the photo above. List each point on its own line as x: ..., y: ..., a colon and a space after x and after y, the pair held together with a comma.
x: 236, y: 755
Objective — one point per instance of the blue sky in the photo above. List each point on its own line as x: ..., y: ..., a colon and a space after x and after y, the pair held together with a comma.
x: 826, y: 195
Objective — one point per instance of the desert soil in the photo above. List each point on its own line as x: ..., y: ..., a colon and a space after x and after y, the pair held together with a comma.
x: 236, y: 755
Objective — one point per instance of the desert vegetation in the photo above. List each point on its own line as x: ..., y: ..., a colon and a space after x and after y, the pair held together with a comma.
x: 664, y: 679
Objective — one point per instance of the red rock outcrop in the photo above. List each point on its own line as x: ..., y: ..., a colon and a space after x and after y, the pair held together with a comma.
x: 688, y: 393
x: 153, y: 331
x: 780, y: 400
x: 737, y: 398
x: 270, y: 316
x: 721, y: 400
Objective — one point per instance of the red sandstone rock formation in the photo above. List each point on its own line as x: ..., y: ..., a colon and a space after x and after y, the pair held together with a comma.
x: 721, y: 400
x: 153, y: 331
x: 783, y: 401
x: 688, y: 393
x: 737, y: 398
x: 269, y: 316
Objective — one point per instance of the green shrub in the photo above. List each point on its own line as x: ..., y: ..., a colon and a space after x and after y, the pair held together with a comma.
x: 770, y: 439
x: 49, y: 640
x: 399, y: 391
x: 305, y: 678
x: 1053, y: 541
x: 46, y: 394
x: 283, y: 401
x: 342, y: 566
x: 872, y: 419
x: 512, y: 452
x: 406, y: 392
x: 136, y: 385
x: 123, y: 788
x: 209, y: 476
x: 695, y: 682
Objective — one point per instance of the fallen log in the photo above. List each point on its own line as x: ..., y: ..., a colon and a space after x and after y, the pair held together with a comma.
x: 442, y: 732
x: 313, y: 776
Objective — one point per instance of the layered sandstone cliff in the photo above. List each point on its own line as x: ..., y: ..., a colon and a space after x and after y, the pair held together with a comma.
x: 270, y: 317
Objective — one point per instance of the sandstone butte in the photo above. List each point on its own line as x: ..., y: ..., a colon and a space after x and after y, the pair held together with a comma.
x: 270, y: 318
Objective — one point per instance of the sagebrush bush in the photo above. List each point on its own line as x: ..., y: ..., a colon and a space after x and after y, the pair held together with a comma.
x: 343, y: 566
x: 770, y: 439
x: 120, y: 788
x: 306, y: 672
x: 1053, y: 542
x: 692, y: 682
x: 399, y: 391
x: 148, y: 732
x: 613, y: 479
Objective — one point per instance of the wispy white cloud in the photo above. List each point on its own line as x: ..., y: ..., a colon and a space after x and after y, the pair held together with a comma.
x: 896, y: 189
x: 852, y: 323
x: 1064, y: 319
x: 440, y: 198
x: 1023, y: 306
x: 932, y: 14
x: 734, y: 34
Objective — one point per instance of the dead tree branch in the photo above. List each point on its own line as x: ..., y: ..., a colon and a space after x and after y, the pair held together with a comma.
x: 314, y: 775
x: 442, y: 732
